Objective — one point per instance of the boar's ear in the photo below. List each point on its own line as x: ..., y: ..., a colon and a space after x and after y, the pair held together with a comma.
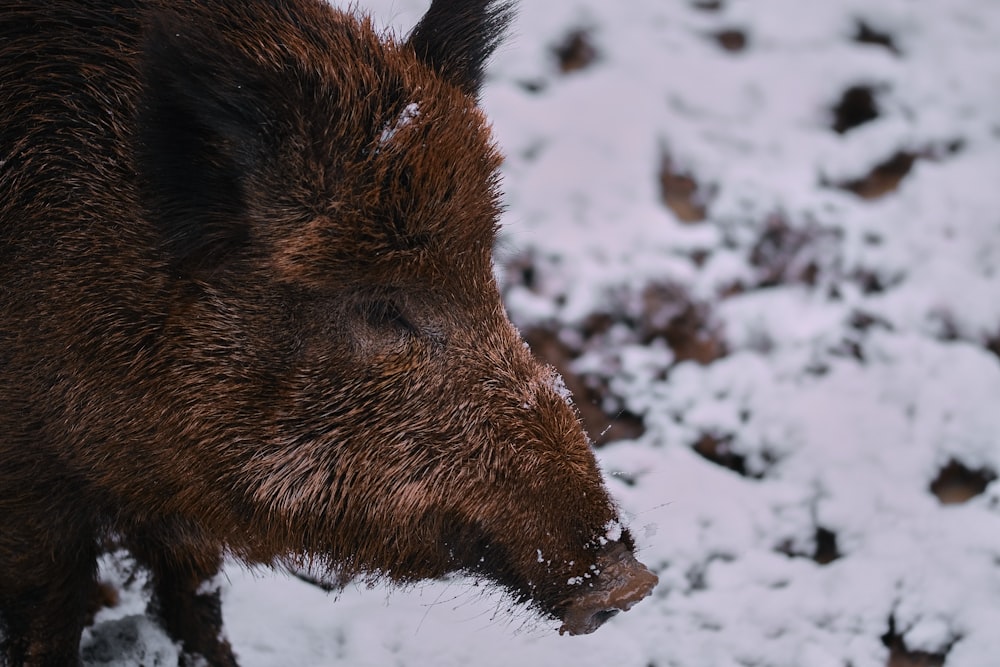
x: 199, y: 138
x: 456, y: 37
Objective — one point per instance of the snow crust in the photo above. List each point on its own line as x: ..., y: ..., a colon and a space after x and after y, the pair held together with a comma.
x: 844, y: 395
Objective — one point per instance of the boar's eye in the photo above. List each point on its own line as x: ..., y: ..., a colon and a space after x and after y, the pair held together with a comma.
x: 385, y: 314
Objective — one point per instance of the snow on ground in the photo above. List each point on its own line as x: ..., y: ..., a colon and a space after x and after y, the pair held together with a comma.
x: 849, y: 324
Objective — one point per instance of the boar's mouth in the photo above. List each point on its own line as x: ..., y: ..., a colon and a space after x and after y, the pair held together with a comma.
x: 621, y: 582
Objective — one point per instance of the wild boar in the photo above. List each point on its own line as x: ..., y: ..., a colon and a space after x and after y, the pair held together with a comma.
x: 247, y: 310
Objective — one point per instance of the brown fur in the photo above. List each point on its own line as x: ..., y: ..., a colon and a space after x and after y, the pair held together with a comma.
x: 247, y: 308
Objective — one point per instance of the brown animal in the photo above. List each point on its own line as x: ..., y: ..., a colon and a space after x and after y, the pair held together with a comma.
x: 247, y: 309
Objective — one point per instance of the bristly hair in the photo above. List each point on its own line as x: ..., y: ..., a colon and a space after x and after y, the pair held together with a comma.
x: 457, y: 37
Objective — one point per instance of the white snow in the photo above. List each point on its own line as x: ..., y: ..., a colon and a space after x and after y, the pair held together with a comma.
x: 406, y: 117
x: 842, y: 426
x: 556, y: 383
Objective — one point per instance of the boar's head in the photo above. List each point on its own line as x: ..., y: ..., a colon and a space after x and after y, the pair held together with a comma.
x: 329, y: 200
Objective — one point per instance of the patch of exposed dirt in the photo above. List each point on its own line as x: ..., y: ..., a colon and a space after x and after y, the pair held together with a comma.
x: 708, y: 5
x: 865, y: 33
x: 733, y: 40
x: 718, y: 450
x: 856, y: 107
x: 786, y: 254
x: 687, y: 326
x: 681, y: 193
x: 956, y: 484
x: 901, y: 656
x: 824, y: 552
x: 886, y: 176
x: 576, y: 51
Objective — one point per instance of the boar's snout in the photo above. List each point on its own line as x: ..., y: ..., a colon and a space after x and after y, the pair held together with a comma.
x: 621, y: 582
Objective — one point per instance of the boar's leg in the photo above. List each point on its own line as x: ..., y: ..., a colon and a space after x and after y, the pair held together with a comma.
x: 184, y: 599
x: 47, y: 584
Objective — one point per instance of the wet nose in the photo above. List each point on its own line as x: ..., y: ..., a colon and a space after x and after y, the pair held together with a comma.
x: 623, y: 581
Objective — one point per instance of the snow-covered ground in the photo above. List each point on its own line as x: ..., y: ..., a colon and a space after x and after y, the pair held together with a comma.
x: 834, y: 339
